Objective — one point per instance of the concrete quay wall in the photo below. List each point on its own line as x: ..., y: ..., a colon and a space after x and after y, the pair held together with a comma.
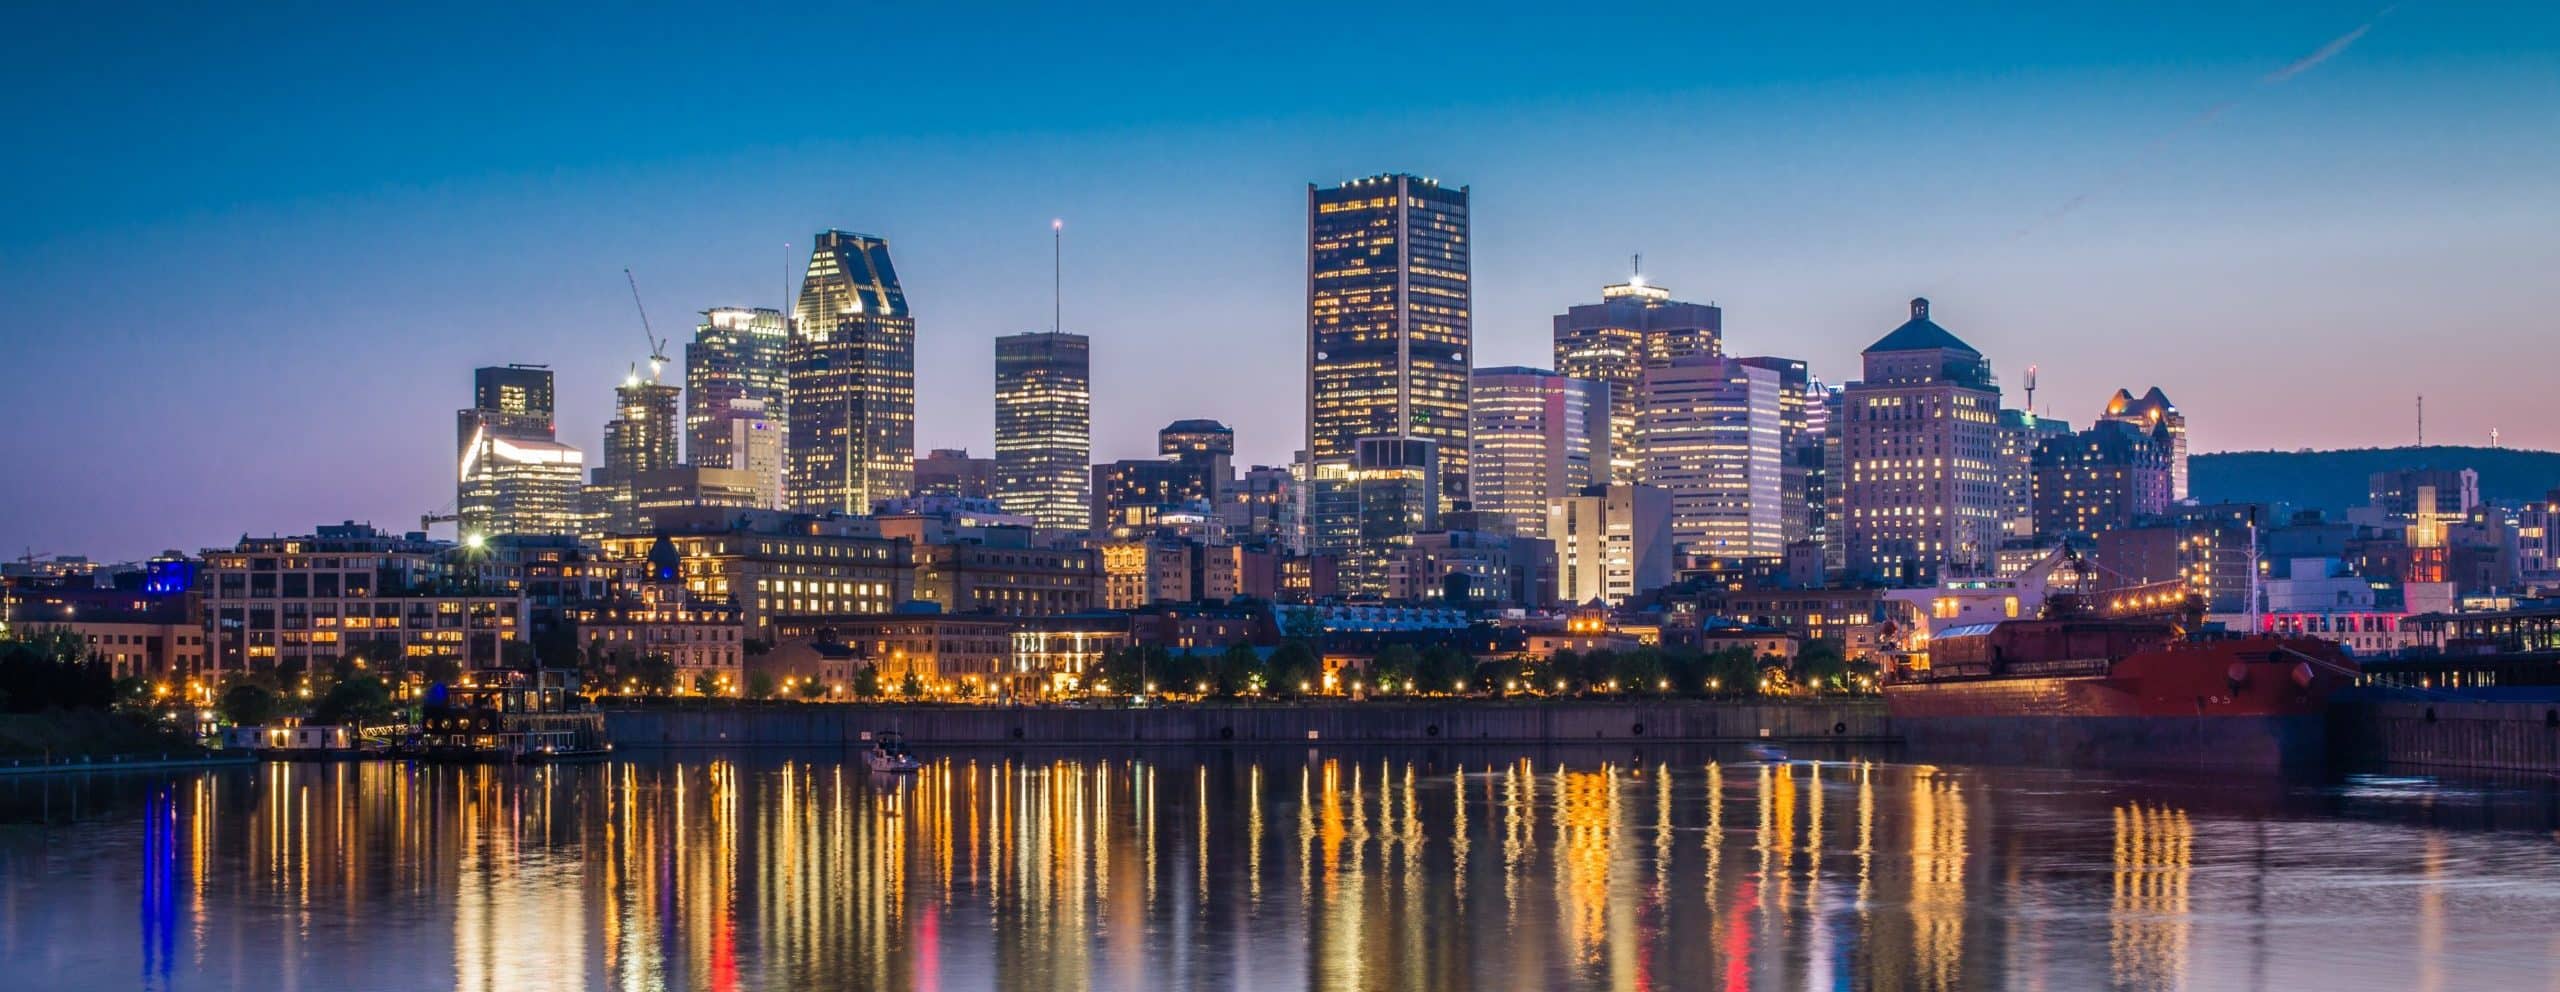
x: 2481, y: 735
x: 838, y: 725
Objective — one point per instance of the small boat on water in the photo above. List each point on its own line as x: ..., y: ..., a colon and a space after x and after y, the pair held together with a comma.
x: 889, y: 754
x: 1766, y: 752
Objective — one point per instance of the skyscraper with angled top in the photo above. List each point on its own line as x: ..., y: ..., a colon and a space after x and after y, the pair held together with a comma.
x: 1635, y: 326
x: 1390, y: 336
x: 851, y: 363
x: 1920, y: 445
x: 1044, y: 427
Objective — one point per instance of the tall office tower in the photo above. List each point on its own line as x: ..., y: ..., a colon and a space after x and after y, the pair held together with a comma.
x: 514, y: 476
x: 1714, y: 439
x: 1635, y: 326
x: 1612, y: 542
x: 755, y: 447
x: 640, y: 439
x: 735, y: 356
x: 1798, y: 413
x: 2020, y: 434
x: 1044, y: 427
x: 1204, y: 446
x: 1920, y: 442
x: 851, y: 364
x: 2153, y: 410
x: 1389, y: 331
x: 1538, y: 437
x: 1395, y: 487
x: 1834, y: 528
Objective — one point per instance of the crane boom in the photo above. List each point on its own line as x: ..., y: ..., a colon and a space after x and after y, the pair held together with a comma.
x: 657, y: 345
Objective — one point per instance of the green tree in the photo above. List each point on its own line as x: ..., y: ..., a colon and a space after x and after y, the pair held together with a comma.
x: 1294, y: 670
x: 912, y: 687
x: 656, y: 672
x: 247, y: 704
x: 866, y: 683
x: 1238, y: 670
x: 1393, y: 669
x: 1822, y: 666
x: 812, y: 689
x: 358, y: 700
x: 760, y: 684
x: 1442, y: 667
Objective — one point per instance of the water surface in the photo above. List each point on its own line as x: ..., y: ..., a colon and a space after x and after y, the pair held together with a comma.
x: 1393, y: 868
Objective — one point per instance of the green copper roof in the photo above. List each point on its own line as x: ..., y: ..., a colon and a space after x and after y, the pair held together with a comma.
x: 1920, y: 334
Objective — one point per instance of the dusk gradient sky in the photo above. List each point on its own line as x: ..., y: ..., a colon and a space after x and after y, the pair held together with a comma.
x: 249, y: 256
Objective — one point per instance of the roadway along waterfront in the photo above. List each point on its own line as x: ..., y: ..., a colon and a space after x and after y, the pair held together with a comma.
x: 1858, y: 721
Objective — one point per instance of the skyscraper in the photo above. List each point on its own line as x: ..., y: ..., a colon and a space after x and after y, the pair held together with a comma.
x: 2109, y: 477
x: 1538, y: 437
x: 735, y: 355
x: 1635, y: 326
x: 1044, y: 427
x: 639, y: 440
x: 851, y: 365
x: 1206, y: 446
x: 1920, y: 446
x: 514, y: 476
x: 1612, y: 541
x: 1389, y: 328
x: 1395, y: 485
x: 2152, y: 410
x: 1713, y: 438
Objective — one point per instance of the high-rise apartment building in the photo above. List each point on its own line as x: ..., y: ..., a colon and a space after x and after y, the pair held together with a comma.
x: 735, y: 358
x: 2154, y: 411
x: 1538, y: 437
x: 513, y: 475
x: 1635, y: 325
x: 2109, y: 477
x: 1044, y: 427
x: 1611, y: 542
x: 1713, y: 437
x: 1389, y: 326
x: 1920, y: 446
x: 851, y: 366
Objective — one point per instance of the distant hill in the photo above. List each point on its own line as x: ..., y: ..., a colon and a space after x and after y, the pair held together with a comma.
x: 2335, y: 480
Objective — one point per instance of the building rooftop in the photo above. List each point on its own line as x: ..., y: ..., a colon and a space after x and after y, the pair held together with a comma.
x: 1920, y: 334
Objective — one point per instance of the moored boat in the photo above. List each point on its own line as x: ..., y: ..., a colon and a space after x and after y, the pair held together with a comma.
x: 889, y: 754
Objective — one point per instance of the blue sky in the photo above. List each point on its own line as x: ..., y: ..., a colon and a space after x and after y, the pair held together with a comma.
x: 247, y: 258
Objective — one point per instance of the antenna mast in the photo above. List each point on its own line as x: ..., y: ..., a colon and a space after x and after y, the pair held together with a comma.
x: 2031, y: 390
x: 1057, y: 274
x: 2422, y: 420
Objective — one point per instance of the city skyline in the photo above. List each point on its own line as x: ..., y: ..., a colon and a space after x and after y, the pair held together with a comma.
x: 2292, y: 184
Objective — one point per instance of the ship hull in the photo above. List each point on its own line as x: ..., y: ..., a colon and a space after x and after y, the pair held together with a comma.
x: 2245, y: 704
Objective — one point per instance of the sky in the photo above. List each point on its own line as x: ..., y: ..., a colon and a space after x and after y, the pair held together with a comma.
x: 248, y: 257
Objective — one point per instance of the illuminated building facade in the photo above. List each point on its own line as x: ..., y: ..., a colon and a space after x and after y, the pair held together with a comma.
x: 851, y: 367
x: 1389, y: 329
x: 700, y: 637
x: 2109, y: 477
x: 1133, y: 492
x: 2153, y: 411
x: 1207, y: 446
x: 733, y: 370
x: 756, y: 447
x: 1712, y: 438
x: 639, y: 441
x: 1044, y: 427
x: 1635, y: 326
x: 778, y: 564
x: 348, y: 590
x: 1538, y: 437
x: 1396, y: 489
x: 513, y: 476
x: 1611, y: 542
x: 1920, y: 448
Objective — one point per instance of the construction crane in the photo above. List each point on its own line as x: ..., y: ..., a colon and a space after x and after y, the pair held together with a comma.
x: 657, y: 345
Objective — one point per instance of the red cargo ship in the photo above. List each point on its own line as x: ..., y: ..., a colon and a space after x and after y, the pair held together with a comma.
x: 2081, y: 688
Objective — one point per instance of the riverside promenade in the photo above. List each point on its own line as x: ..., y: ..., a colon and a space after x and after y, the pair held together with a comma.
x: 828, y: 725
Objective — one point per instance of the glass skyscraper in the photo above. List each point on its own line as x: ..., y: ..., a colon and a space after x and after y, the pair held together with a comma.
x: 735, y: 354
x: 1044, y: 427
x: 513, y: 476
x: 1539, y: 437
x: 1389, y: 329
x: 851, y: 365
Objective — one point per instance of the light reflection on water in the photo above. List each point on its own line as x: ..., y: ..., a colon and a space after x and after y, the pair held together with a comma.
x: 1617, y: 868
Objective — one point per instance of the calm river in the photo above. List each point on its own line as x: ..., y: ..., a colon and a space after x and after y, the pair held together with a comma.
x: 1443, y: 868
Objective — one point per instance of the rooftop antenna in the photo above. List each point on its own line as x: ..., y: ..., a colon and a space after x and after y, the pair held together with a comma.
x: 2493, y: 437
x: 2422, y: 420
x: 787, y: 304
x: 657, y: 345
x: 1057, y: 274
x: 2031, y: 389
